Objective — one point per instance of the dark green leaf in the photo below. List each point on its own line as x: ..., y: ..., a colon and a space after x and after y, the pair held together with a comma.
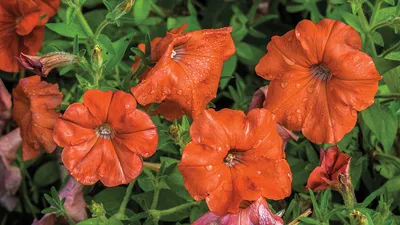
x: 47, y: 174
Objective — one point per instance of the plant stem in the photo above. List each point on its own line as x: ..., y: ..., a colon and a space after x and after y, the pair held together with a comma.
x: 68, y: 218
x: 121, y: 212
x: 101, y: 27
x: 177, y: 208
x: 152, y: 166
x: 155, y: 196
x: 375, y: 11
x: 84, y: 24
x: 394, y: 47
x: 392, y: 95
x: 303, y: 215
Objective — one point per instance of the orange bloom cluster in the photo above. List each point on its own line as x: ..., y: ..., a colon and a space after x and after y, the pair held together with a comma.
x: 187, y: 71
x: 22, y: 28
x: 34, y: 110
x: 104, y: 137
x: 233, y: 157
x: 319, y: 79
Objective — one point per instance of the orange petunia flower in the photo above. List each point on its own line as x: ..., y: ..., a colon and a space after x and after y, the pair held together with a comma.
x: 187, y: 71
x: 22, y: 28
x: 104, y: 137
x: 319, y: 79
x: 233, y: 157
x: 34, y: 110
x: 257, y: 213
x: 333, y: 164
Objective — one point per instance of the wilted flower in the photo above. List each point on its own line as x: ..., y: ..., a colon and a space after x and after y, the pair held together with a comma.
x: 319, y: 79
x: 233, y: 157
x: 257, y: 213
x: 74, y: 205
x: 22, y: 28
x: 186, y: 74
x: 34, y: 110
x: 258, y: 102
x: 42, y: 65
x: 104, y: 138
x: 10, y: 176
x: 5, y: 105
x: 334, y: 167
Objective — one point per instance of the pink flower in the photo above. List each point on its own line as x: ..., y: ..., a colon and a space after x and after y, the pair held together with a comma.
x: 333, y: 164
x: 257, y: 213
x: 258, y: 102
x: 10, y: 176
x: 75, y: 204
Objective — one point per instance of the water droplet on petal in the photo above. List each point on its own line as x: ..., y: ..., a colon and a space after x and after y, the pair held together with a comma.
x: 197, y: 197
x: 284, y: 84
x: 209, y: 167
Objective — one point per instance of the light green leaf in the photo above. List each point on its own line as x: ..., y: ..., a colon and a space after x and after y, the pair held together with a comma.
x: 67, y: 31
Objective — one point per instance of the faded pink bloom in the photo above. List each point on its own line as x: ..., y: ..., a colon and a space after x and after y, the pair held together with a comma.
x: 258, y: 102
x: 257, y: 213
x: 5, y: 105
x: 75, y: 204
x: 42, y: 65
x: 10, y: 176
x: 333, y: 163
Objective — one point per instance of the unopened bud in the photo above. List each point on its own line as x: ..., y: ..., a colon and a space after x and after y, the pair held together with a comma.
x: 97, y: 57
x: 126, y: 6
x: 42, y: 65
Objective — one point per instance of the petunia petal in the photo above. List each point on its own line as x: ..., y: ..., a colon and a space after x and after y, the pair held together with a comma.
x: 315, y: 181
x: 119, y: 164
x: 83, y: 160
x: 270, y: 178
x: 207, y: 130
x: 99, y: 109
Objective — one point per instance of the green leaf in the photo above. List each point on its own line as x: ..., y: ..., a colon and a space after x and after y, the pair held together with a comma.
x: 249, y: 54
x: 91, y: 221
x: 227, y: 71
x: 392, y: 79
x: 111, y: 198
x: 120, y: 47
x: 377, y: 37
x: 384, y: 65
x: 67, y: 31
x: 385, y: 128
x: 141, y: 9
x: 353, y: 21
x: 47, y: 174
x: 308, y: 220
x: 71, y: 14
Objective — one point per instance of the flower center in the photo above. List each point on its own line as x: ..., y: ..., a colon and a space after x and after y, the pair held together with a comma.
x: 232, y: 158
x: 105, y: 131
x: 321, y: 71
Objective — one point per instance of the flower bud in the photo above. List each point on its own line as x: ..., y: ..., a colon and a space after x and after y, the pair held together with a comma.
x: 97, y: 57
x: 42, y: 65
